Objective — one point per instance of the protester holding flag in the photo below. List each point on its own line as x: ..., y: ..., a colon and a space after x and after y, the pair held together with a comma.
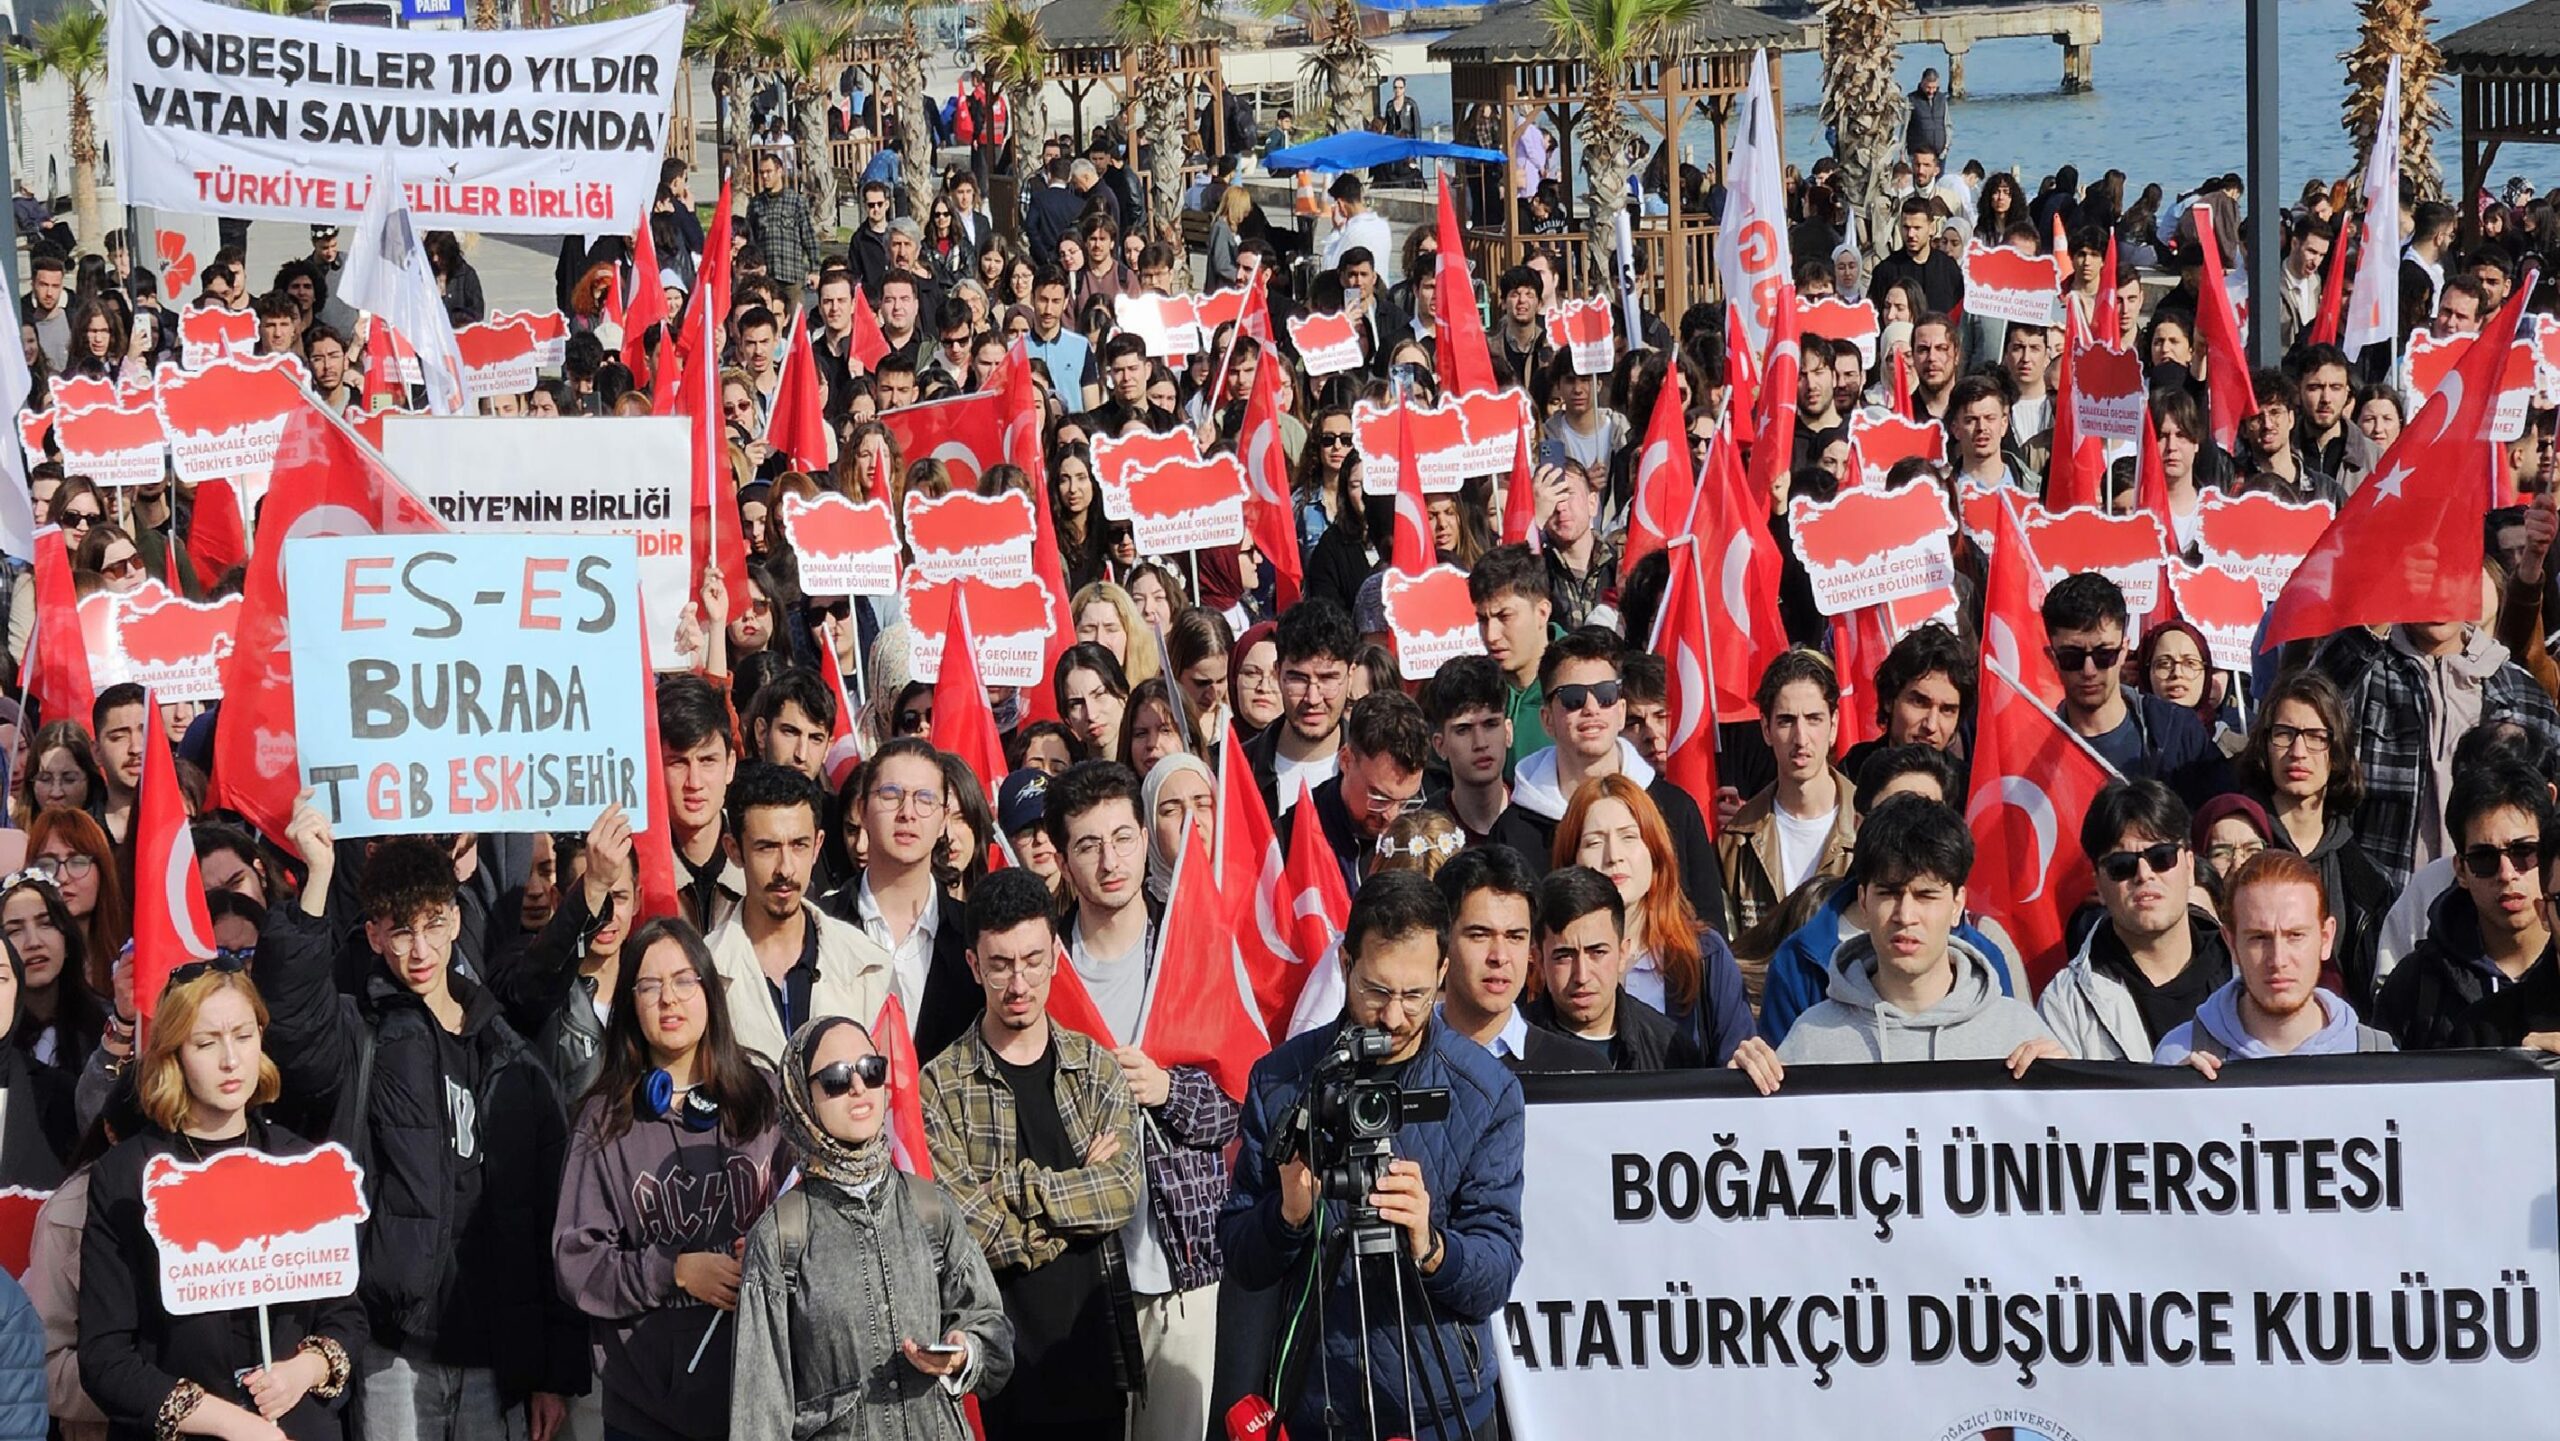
x: 201, y: 1073
x: 864, y: 1306
x: 673, y: 1156
x: 558, y: 988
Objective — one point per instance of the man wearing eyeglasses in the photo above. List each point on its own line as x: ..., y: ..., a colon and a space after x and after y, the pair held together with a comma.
x: 2143, y: 971
x: 1034, y: 1132
x: 2492, y: 929
x: 781, y: 959
x: 1301, y: 750
x: 2144, y: 736
x: 463, y: 1131
x: 896, y: 900
x: 1452, y: 1194
x: 869, y: 252
x: 1384, y: 744
x: 1586, y: 711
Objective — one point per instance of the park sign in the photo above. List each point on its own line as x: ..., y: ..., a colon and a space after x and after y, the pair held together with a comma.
x: 234, y: 112
x: 469, y: 682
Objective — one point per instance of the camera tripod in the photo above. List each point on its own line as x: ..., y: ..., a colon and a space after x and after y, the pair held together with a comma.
x: 1367, y: 1239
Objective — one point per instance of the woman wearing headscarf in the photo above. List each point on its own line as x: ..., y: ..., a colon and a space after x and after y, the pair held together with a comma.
x: 865, y: 1309
x: 1179, y: 788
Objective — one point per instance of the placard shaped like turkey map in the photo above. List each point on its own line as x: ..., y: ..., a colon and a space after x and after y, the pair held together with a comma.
x: 1872, y: 547
x: 988, y: 537
x: 249, y: 1229
x: 844, y: 548
x: 1433, y: 620
x: 1009, y: 625
x: 170, y: 646
x: 1184, y: 505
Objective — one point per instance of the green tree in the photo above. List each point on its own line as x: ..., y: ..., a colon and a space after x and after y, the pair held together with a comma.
x: 1607, y: 36
x: 1342, y: 66
x: 74, y: 47
x: 903, y: 105
x: 1156, y: 30
x: 1015, y: 56
x: 731, y: 34
x: 802, y: 50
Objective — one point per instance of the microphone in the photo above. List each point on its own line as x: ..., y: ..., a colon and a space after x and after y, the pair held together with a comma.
x: 1252, y: 1419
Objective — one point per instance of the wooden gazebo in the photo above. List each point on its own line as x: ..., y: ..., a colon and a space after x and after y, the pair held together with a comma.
x: 2510, y: 69
x: 1508, y: 62
x: 872, y: 40
x: 1086, y: 53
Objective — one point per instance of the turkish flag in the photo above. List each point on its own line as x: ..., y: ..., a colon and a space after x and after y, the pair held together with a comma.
x: 869, y: 346
x: 1683, y: 638
x: 667, y: 387
x: 2032, y: 781
x: 1666, y: 485
x: 656, y: 893
x: 1741, y: 372
x: 1268, y: 933
x: 895, y: 1041
x: 171, y: 923
x: 1414, y: 549
x: 710, y: 298
x: 844, y: 746
x: 1019, y: 396
x: 1466, y: 363
x: 61, y: 683
x: 1270, y: 517
x: 2107, y: 316
x: 1900, y: 395
x: 1773, y: 449
x: 1742, y: 557
x: 647, y: 305
x: 2407, y: 545
x: 2333, y: 297
x: 2152, y: 481
x: 963, y: 725
x: 326, y: 482
x: 1197, y: 1011
x: 1071, y: 1005
x: 385, y: 378
x: 2233, y: 397
x: 718, y: 539
x: 798, y: 425
x: 1520, y: 498
x: 2013, y: 606
x: 215, y: 541
x: 1319, y: 904
x: 2077, y: 473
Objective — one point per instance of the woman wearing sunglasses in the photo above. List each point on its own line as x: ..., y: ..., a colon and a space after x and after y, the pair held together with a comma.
x: 866, y: 1309
x: 677, y: 1109
x: 200, y: 1078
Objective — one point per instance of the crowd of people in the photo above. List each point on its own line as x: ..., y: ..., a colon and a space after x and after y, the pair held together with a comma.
x: 814, y: 1156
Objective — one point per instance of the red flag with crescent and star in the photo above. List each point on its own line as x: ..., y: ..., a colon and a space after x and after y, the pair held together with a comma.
x: 2032, y: 781
x: 172, y: 925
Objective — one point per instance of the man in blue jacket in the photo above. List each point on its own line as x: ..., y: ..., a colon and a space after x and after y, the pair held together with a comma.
x: 1452, y: 1194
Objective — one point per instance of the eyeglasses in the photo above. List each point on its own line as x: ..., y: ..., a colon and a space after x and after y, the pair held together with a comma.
x: 2314, y: 739
x: 2227, y: 858
x: 2122, y: 866
x: 684, y: 985
x: 120, y: 567
x: 893, y: 799
x: 1412, y: 1001
x: 2485, y: 863
x: 1378, y: 803
x: 834, y: 1081
x: 54, y: 868
x: 229, y: 963
x: 2173, y: 665
x: 2069, y: 658
x: 1575, y: 697
x: 1002, y: 972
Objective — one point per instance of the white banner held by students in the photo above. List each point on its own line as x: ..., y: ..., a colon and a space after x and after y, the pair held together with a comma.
x: 523, y: 132
x: 2345, y: 1248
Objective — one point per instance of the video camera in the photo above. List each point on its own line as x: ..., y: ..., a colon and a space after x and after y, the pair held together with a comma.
x: 1344, y: 1127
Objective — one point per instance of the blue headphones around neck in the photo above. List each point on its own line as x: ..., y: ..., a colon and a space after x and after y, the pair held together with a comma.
x: 657, y: 1102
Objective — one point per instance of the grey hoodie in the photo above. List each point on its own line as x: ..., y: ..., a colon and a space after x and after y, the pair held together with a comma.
x: 1975, y: 1022
x: 2339, y: 1035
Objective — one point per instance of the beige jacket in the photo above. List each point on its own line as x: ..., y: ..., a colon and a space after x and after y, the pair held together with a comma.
x: 853, y: 980
x: 1748, y: 850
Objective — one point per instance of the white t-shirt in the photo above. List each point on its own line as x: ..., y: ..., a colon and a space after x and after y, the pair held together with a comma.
x: 1118, y: 985
x: 1296, y: 778
x: 1800, y: 845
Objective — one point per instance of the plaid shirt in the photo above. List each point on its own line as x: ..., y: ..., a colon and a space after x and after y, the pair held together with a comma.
x: 1023, y: 1214
x: 2394, y: 711
x: 1186, y: 1147
x: 779, y: 223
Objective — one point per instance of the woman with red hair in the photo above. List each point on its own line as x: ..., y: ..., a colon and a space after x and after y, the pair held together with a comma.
x: 1675, y: 963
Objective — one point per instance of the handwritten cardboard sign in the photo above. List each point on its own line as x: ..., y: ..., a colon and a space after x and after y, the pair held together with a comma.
x: 468, y: 682
x: 249, y: 1229
x: 844, y: 548
x: 1870, y: 547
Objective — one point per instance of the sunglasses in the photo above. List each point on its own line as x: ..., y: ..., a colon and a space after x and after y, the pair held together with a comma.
x: 1332, y: 438
x: 2122, y: 866
x: 2069, y: 658
x: 872, y: 1071
x: 1575, y: 697
x: 229, y: 963
x: 79, y: 520
x: 2485, y: 863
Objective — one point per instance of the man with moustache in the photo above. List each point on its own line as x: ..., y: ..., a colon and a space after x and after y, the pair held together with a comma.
x: 2276, y: 913
x: 782, y: 959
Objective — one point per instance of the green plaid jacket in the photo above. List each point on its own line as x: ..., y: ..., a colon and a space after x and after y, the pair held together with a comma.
x: 1024, y: 1214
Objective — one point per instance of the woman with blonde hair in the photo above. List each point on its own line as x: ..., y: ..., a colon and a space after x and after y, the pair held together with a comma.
x: 202, y: 1075
x: 1107, y: 616
x: 1675, y: 963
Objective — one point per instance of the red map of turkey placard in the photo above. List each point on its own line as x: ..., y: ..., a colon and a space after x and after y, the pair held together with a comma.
x: 224, y: 421
x: 1166, y: 322
x: 1439, y: 445
x: 550, y: 333
x: 164, y: 643
x: 1492, y: 420
x: 1010, y: 625
x: 1871, y: 547
x: 1833, y: 318
x: 2108, y: 394
x: 1584, y: 327
x: 1118, y: 457
x: 18, y: 1207
x: 984, y: 536
x: 2126, y: 549
x: 117, y: 445
x: 2226, y: 606
x: 1326, y: 344
x: 1884, y: 440
x: 1433, y: 620
x: 2430, y: 360
x: 34, y: 427
x: 249, y: 1229
x: 211, y: 331
x: 80, y: 392
x: 1226, y: 307
x: 844, y: 548
x: 2003, y: 282
x: 2261, y: 536
x: 497, y: 359
x: 1187, y: 505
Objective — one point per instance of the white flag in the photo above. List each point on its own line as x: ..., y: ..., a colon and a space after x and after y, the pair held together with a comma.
x: 388, y: 275
x: 2373, y: 305
x: 1751, y: 241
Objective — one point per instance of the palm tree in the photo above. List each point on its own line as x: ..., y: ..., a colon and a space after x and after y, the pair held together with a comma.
x: 74, y: 47
x: 730, y: 34
x: 2401, y: 28
x: 1342, y: 67
x: 1015, y: 56
x: 1606, y: 36
x: 1862, y: 102
x: 803, y: 52
x: 1157, y: 29
x: 903, y: 105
